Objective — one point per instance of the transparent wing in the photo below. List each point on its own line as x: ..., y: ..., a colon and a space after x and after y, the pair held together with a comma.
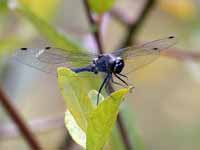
x: 136, y: 57
x: 48, y: 58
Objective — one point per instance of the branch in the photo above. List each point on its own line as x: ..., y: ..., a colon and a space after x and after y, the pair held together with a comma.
x: 11, y: 110
x: 8, y: 130
x: 178, y: 54
x: 132, y: 29
x: 134, y: 26
x: 123, y: 132
x: 96, y: 35
x: 121, y: 125
x: 94, y: 25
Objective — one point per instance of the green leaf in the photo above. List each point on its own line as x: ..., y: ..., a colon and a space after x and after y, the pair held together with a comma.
x: 3, y: 5
x: 77, y: 134
x: 44, y: 9
x: 96, y: 122
x: 101, y: 6
x: 57, y: 38
x: 75, y: 96
x: 102, y: 120
x: 8, y: 44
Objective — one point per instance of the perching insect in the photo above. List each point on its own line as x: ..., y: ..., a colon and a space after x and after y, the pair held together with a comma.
x: 111, y: 64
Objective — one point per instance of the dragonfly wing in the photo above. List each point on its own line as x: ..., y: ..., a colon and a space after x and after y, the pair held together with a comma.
x: 48, y: 59
x: 136, y: 57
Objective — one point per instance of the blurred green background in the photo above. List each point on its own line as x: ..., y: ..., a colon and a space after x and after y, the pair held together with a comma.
x: 163, y: 111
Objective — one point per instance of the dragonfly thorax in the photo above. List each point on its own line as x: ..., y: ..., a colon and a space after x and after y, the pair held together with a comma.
x: 108, y: 63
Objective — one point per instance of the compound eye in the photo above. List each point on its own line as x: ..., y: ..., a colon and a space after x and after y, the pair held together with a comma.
x: 118, y: 60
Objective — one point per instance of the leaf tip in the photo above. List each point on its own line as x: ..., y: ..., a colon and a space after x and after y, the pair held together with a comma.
x: 130, y: 89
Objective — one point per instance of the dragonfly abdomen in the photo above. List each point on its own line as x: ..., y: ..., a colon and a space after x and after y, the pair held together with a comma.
x: 83, y: 69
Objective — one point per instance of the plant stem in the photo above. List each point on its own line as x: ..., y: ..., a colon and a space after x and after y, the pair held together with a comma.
x: 93, y: 24
x: 123, y: 132
x: 12, y: 111
x: 132, y: 30
x: 178, y: 54
x: 96, y: 35
x: 121, y: 126
x: 133, y: 27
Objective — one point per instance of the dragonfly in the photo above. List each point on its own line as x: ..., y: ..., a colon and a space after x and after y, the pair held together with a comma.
x: 113, y: 64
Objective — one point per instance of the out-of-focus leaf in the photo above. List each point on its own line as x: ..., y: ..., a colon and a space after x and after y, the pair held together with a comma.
x: 48, y: 31
x: 75, y: 96
x: 102, y: 120
x: 44, y: 9
x: 101, y: 6
x: 3, y: 5
x: 77, y: 134
x: 8, y: 44
x: 183, y: 9
x: 97, y: 122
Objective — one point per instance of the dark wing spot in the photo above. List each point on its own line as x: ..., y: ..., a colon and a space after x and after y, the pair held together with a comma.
x: 23, y: 49
x: 48, y: 47
x: 155, y: 48
x: 171, y: 37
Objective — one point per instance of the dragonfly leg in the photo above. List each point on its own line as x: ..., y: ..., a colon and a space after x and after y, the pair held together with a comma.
x: 121, y: 79
x: 107, y: 78
x: 117, y: 83
x: 122, y: 75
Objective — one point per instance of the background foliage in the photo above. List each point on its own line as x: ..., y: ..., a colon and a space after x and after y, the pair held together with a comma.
x: 163, y: 111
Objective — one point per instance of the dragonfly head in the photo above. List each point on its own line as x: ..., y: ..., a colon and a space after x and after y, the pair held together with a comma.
x: 118, y: 65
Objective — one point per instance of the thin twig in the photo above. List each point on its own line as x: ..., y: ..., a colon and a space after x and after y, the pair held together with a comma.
x: 121, y: 126
x: 12, y: 111
x: 133, y: 28
x: 8, y: 130
x: 94, y: 26
x: 123, y: 132
x: 178, y: 54
x: 96, y: 35
x: 95, y: 29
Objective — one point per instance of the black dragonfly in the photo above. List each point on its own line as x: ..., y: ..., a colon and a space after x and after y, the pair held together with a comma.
x: 111, y: 64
